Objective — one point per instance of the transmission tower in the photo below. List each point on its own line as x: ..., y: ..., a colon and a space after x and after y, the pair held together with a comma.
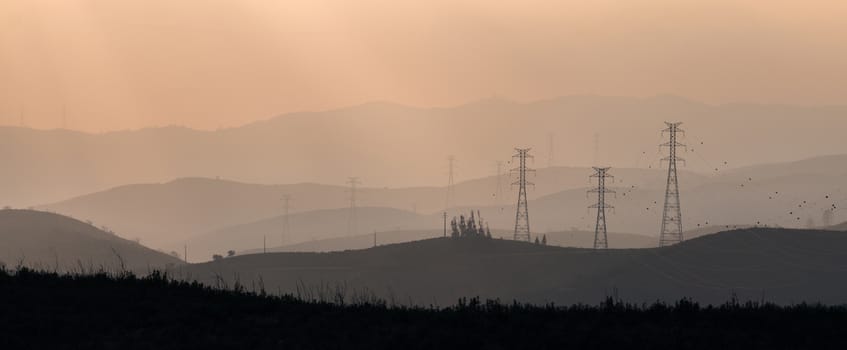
x: 672, y: 215
x: 351, y: 220
x: 451, y: 160
x: 600, y: 238
x: 286, y: 227
x: 522, y: 232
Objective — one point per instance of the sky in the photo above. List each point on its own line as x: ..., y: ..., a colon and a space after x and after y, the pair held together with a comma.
x: 98, y: 65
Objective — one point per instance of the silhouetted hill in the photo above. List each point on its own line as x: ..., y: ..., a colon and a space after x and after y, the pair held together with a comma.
x: 576, y: 239
x: 159, y: 214
x: 307, y: 226
x: 837, y: 227
x: 51, y: 241
x: 779, y: 265
x: 363, y: 241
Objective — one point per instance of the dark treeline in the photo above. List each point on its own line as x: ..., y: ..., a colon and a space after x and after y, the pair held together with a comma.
x: 42, y: 310
x: 470, y: 227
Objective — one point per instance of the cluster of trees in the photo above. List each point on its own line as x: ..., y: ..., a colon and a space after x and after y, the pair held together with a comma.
x: 470, y: 227
x: 543, y: 240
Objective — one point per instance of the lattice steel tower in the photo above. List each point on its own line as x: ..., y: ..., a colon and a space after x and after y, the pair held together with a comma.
x: 522, y: 232
x: 600, y: 235
x: 672, y: 215
x: 451, y: 192
x: 352, y: 222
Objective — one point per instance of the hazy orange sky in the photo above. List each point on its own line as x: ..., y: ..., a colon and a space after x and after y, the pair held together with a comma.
x: 207, y: 63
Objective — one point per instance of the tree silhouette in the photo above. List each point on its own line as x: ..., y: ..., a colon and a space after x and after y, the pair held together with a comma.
x: 470, y: 227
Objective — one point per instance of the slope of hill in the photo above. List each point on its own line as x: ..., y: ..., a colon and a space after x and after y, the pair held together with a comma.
x: 173, y: 211
x: 574, y: 239
x: 337, y: 244
x: 838, y: 227
x: 308, y: 226
x: 777, y: 265
x: 51, y: 241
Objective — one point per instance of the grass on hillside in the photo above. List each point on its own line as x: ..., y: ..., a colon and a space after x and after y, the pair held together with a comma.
x: 47, y: 310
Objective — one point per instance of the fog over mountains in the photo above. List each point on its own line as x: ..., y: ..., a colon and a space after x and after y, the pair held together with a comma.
x: 397, y: 146
x: 213, y: 216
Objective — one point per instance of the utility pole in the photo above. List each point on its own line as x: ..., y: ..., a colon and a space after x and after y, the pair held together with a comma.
x: 451, y: 194
x: 672, y: 215
x: 286, y: 225
x: 265, y: 244
x: 522, y: 231
x: 374, y: 238
x: 352, y: 223
x: 600, y: 235
x: 185, y: 253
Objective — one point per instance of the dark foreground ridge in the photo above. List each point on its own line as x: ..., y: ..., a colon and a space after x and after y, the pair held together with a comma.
x: 783, y: 266
x: 50, y: 311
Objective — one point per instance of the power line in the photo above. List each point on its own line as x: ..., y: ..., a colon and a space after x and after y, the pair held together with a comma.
x: 672, y: 215
x: 352, y: 223
x: 601, y: 240
x: 522, y: 231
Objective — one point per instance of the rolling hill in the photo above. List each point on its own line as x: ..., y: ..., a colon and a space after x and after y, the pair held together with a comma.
x: 167, y: 215
x: 779, y: 265
x: 574, y: 239
x: 161, y: 214
x: 308, y: 226
x: 52, y: 241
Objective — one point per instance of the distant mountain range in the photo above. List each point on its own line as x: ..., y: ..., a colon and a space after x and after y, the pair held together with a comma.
x: 50, y: 241
x: 218, y: 215
x: 161, y: 214
x: 397, y: 146
x: 775, y: 265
